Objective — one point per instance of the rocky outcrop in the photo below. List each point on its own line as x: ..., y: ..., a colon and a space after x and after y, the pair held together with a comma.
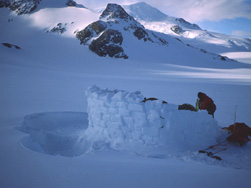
x: 90, y: 31
x: 109, y: 43
x: 105, y: 36
x: 20, y: 6
x: 176, y: 29
x: 8, y: 45
x: 4, y: 3
x: 186, y: 23
x: 71, y: 3
x: 114, y: 11
x: 60, y: 28
x: 140, y: 33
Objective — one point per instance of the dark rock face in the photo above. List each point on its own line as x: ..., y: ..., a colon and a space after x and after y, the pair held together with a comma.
x: 8, y: 45
x: 20, y: 6
x: 109, y: 41
x: 176, y: 29
x: 60, y: 28
x: 182, y: 21
x: 90, y: 31
x: 109, y: 44
x: 4, y: 3
x: 141, y: 33
x: 71, y: 3
x: 104, y: 37
x: 114, y: 11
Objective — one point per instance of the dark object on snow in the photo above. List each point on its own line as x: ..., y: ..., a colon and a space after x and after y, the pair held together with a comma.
x: 60, y: 28
x: 239, y: 133
x: 213, y: 149
x: 11, y: 45
x: 71, y: 3
x: 187, y: 107
x: 152, y: 99
x: 206, y: 103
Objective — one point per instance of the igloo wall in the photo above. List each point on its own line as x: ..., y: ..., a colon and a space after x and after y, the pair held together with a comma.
x: 117, y: 116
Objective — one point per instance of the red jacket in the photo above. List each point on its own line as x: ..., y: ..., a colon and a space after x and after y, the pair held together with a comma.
x: 207, y: 104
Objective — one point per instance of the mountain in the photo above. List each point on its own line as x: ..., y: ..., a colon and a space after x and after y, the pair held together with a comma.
x: 106, y: 36
x: 115, y: 33
x: 20, y: 6
x: 192, y: 34
x: 143, y: 12
x: 45, y: 79
x: 28, y: 6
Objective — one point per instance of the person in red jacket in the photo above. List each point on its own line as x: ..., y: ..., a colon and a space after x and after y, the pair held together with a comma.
x: 206, y: 103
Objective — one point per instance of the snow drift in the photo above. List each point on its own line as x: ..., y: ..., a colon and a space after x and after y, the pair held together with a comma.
x: 119, y: 120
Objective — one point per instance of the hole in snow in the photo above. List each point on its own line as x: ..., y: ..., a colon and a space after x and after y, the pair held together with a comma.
x: 56, y: 133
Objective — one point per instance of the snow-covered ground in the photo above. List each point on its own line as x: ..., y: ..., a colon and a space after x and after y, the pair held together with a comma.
x: 43, y: 88
x: 189, y: 33
x: 240, y: 56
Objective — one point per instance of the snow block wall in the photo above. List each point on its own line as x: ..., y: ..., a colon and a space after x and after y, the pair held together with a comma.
x: 117, y: 116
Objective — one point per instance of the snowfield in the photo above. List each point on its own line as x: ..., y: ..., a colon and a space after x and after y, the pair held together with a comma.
x: 58, y: 131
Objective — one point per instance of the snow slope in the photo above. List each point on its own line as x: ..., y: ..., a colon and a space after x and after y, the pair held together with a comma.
x: 191, y: 34
x: 44, y: 83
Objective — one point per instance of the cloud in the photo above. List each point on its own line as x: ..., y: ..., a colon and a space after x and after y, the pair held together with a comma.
x: 200, y: 10
x: 191, y: 10
x: 102, y: 3
x: 241, y: 33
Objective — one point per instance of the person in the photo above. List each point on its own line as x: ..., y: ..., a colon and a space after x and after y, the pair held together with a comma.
x: 204, y: 102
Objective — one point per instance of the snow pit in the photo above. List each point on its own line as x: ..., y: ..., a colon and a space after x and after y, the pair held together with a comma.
x: 56, y: 133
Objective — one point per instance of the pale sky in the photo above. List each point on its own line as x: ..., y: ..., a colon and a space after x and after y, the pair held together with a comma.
x: 225, y: 16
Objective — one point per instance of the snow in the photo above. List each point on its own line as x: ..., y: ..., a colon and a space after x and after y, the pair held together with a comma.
x: 119, y: 118
x: 191, y: 33
x: 55, y: 133
x: 240, y: 56
x: 44, y: 104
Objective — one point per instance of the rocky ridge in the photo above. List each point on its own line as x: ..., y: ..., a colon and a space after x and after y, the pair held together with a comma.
x: 103, y: 39
x: 20, y: 6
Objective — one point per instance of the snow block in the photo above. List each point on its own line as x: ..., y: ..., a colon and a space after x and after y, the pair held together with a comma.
x: 126, y: 119
x: 119, y: 120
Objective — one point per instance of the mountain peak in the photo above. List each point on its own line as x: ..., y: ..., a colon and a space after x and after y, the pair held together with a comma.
x: 106, y: 36
x: 144, y: 11
x: 115, y: 11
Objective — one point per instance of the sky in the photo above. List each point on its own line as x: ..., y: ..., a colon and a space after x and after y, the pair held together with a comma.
x: 231, y: 17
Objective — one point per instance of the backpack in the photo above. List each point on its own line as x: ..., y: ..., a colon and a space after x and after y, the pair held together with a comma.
x: 240, y: 133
